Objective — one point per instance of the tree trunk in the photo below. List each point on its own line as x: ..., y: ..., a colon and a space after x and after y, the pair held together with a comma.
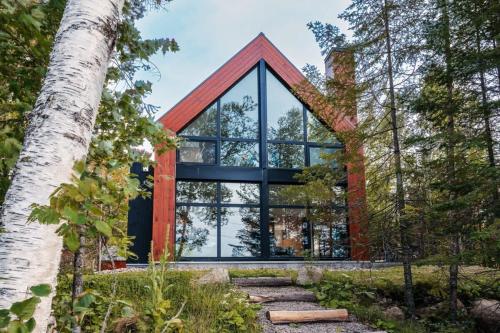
x: 58, y: 134
x: 311, y: 316
x: 486, y: 119
x: 263, y: 281
x: 400, y: 195
x: 453, y: 223
x: 77, y: 287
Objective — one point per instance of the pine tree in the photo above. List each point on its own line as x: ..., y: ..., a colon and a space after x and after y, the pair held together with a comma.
x: 386, y: 47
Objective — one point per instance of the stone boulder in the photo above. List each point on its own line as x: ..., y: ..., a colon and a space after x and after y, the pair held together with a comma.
x: 438, y: 309
x: 309, y: 275
x: 216, y: 275
x: 395, y: 313
x: 487, y: 314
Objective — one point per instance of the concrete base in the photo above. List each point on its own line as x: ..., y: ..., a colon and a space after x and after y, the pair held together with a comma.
x: 292, y: 265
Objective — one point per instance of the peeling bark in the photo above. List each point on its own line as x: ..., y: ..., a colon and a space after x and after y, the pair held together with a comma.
x: 58, y: 134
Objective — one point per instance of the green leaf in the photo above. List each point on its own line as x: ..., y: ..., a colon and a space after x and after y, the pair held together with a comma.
x: 41, y: 290
x: 24, y: 310
x: 84, y: 302
x: 16, y: 327
x: 103, y: 228
x: 70, y: 213
x: 71, y: 241
x: 31, y: 324
x: 4, y: 318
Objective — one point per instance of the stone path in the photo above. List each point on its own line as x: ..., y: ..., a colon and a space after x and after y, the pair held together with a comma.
x: 350, y: 326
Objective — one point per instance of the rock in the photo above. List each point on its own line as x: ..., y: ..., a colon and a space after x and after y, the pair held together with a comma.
x: 216, y: 275
x: 394, y: 313
x: 487, y: 314
x: 309, y: 275
x: 438, y: 309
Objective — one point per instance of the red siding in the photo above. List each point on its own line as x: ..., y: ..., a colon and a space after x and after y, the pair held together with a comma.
x: 205, y: 94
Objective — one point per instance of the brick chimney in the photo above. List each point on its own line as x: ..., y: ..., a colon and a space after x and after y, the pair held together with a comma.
x: 339, y: 68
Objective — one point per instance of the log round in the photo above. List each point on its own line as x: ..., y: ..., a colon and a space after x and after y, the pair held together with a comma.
x: 263, y: 281
x: 285, y: 317
x: 290, y: 297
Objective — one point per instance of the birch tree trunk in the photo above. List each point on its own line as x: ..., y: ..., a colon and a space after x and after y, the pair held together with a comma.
x: 58, y: 134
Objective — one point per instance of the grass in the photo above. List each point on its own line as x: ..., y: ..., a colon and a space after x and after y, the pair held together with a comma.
x: 208, y: 308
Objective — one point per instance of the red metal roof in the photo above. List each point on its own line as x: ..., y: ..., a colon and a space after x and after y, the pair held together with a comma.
x: 224, y: 77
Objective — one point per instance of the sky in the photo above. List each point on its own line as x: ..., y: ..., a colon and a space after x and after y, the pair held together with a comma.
x: 209, y: 32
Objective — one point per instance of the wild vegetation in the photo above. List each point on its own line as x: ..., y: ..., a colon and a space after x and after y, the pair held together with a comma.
x: 427, y: 97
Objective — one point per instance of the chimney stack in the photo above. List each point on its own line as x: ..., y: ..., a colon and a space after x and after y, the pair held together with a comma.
x: 340, y: 69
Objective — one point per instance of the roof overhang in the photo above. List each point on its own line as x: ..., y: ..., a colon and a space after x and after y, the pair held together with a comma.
x: 229, y: 73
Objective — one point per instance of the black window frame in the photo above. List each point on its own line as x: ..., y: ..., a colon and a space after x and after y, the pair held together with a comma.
x: 262, y: 174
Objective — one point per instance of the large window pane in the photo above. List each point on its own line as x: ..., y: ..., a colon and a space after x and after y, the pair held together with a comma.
x: 204, y: 125
x: 284, y: 112
x: 197, y: 152
x: 287, y: 227
x: 239, y: 153
x: 196, y: 232
x: 285, y: 155
x: 317, y: 131
x: 240, y: 232
x: 287, y: 195
x: 320, y: 155
x: 240, y: 193
x: 240, y: 109
x: 196, y: 192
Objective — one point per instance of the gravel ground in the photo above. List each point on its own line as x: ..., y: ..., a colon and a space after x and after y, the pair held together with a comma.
x: 350, y: 326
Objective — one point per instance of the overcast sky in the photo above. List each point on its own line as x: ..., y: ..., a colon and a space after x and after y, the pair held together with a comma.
x: 209, y: 32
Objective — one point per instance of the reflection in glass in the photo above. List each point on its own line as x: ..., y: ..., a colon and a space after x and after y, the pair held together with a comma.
x: 320, y: 155
x: 197, y: 192
x: 288, y: 156
x: 287, y: 228
x: 204, y: 125
x: 330, y: 240
x: 240, y: 232
x: 240, y: 109
x: 284, y: 112
x: 239, y: 153
x: 287, y: 195
x: 317, y: 131
x: 240, y: 193
x: 197, y: 152
x: 196, y: 232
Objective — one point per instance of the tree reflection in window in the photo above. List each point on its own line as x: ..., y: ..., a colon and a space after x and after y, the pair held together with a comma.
x: 318, y: 132
x: 240, y: 109
x: 281, y: 155
x: 239, y: 153
x: 284, y: 112
x: 196, y: 226
x: 204, y: 125
x: 240, y: 226
x: 196, y: 192
x: 240, y: 232
x: 196, y: 234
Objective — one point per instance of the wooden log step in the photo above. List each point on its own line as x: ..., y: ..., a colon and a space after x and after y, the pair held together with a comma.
x: 286, y: 317
x: 288, y: 297
x: 263, y: 281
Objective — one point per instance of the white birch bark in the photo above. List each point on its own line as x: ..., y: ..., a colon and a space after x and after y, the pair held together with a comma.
x: 58, y: 134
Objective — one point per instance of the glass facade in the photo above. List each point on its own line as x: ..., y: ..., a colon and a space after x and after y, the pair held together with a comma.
x: 236, y: 194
